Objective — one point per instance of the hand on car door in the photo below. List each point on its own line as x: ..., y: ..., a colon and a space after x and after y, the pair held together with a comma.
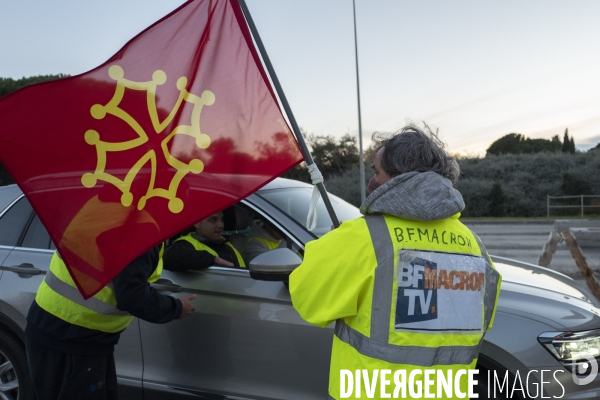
x: 186, y: 305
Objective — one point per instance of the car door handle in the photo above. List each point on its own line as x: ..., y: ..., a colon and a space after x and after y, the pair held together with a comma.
x: 25, y: 270
x: 167, y: 285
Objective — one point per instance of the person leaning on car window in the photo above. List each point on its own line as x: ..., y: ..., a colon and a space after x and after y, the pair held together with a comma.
x: 409, y: 286
x: 203, y: 248
x: 70, y: 341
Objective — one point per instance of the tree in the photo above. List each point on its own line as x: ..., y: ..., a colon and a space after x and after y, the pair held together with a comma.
x: 298, y: 173
x: 8, y: 85
x: 516, y: 143
x: 369, y: 152
x: 529, y: 146
x: 332, y: 156
x: 566, y: 146
x: 572, y: 145
x: 507, y: 144
x: 556, y: 144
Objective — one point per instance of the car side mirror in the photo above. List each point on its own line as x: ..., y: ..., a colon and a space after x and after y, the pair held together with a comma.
x: 274, y: 265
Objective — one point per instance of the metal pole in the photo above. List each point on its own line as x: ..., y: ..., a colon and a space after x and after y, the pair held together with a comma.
x: 307, y: 156
x: 361, y: 162
x: 581, y: 206
x: 548, y: 206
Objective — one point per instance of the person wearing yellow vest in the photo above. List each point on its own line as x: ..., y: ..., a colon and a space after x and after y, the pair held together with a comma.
x: 70, y: 341
x: 262, y: 238
x: 203, y: 248
x: 411, y: 289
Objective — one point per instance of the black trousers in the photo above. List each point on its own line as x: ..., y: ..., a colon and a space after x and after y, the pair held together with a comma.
x: 63, y: 376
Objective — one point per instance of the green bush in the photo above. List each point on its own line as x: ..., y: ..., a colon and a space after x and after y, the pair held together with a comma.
x: 497, y: 200
x: 524, y: 180
x: 476, y: 194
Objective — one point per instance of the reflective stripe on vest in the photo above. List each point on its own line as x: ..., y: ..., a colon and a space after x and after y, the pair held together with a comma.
x: 59, y: 296
x: 159, y: 267
x: 377, y: 345
x: 491, y: 285
x: 414, y: 355
x: 198, y: 245
x: 72, y: 293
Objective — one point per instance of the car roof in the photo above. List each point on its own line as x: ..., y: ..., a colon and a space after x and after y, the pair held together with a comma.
x: 284, y: 183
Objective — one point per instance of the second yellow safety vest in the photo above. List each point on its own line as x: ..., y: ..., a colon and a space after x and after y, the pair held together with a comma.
x: 269, y: 243
x: 406, y: 296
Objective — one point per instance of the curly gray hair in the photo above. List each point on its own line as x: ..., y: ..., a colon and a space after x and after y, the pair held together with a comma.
x: 415, y: 149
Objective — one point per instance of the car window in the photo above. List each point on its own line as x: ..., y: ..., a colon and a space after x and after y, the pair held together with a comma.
x: 8, y: 194
x: 252, y: 233
x: 295, y: 201
x: 271, y: 237
x: 37, y: 236
x: 13, y: 221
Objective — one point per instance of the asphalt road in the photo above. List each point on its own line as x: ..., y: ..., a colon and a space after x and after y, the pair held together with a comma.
x: 524, y: 241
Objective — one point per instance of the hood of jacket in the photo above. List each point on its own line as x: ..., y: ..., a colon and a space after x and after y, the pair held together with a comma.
x: 422, y: 196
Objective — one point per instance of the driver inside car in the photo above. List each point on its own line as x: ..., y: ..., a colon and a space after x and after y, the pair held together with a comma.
x: 203, y: 248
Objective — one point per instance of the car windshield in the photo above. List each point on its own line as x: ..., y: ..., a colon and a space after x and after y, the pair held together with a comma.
x: 295, y: 201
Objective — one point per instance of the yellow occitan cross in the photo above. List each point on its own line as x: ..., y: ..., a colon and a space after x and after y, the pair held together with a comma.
x: 195, y: 166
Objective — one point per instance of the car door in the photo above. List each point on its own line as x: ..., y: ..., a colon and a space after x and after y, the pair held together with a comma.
x: 24, y: 268
x: 244, y: 341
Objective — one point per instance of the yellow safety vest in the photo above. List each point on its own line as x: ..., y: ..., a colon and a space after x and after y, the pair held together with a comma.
x: 198, y: 245
x: 269, y: 243
x: 405, y: 295
x: 59, y: 296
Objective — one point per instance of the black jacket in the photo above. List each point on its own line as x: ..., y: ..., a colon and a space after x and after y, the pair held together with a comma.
x: 182, y: 256
x: 134, y: 295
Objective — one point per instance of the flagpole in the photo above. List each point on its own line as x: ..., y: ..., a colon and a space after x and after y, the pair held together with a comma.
x: 361, y: 162
x: 307, y: 156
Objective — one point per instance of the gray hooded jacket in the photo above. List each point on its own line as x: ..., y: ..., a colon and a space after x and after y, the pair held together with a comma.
x: 421, y: 196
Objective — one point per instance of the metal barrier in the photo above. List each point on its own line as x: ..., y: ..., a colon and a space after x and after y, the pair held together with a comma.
x: 580, y: 206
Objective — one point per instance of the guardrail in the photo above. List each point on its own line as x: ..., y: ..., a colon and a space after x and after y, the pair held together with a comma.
x: 581, y: 206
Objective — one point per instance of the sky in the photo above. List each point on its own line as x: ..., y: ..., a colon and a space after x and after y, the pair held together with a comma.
x: 474, y: 70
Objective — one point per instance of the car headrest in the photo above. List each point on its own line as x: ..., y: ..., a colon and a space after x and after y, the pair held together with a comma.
x: 236, y: 219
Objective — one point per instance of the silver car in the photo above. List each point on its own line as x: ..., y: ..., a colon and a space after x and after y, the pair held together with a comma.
x: 245, y: 341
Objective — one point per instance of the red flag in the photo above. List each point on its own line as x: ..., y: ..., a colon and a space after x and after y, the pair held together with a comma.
x: 180, y: 123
